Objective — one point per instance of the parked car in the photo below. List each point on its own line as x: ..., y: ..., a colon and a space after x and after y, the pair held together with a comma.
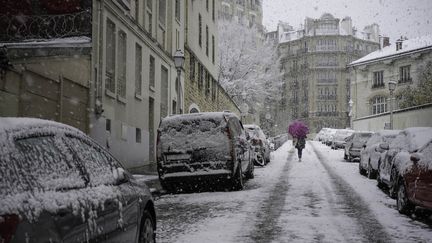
x: 321, y: 134
x: 58, y: 185
x: 409, y: 140
x: 415, y: 180
x: 259, y: 143
x: 372, y: 153
x: 203, y: 148
x: 328, y: 136
x: 338, y: 140
x: 279, y: 140
x: 354, y: 144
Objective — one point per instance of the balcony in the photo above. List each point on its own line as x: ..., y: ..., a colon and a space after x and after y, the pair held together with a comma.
x: 405, y: 81
x: 49, y: 26
x: 326, y: 114
x: 327, y: 97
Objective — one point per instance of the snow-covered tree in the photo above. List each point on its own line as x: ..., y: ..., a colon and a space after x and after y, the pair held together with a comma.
x: 421, y: 94
x: 249, y: 67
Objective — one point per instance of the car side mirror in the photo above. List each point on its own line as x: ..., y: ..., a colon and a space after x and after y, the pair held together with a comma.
x: 384, y: 146
x: 415, y: 158
x: 120, y: 175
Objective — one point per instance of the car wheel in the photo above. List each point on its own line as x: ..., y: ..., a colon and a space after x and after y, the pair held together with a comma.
x: 380, y: 184
x: 370, y: 173
x: 237, y: 181
x: 393, y: 183
x: 403, y: 204
x: 250, y: 172
x: 260, y: 160
x: 147, y: 233
x: 345, y: 156
x: 168, y: 187
x: 361, y: 170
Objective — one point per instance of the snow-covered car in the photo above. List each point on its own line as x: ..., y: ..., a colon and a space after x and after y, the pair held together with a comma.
x: 58, y: 185
x: 354, y: 145
x: 200, y: 149
x: 320, y: 135
x: 259, y: 143
x: 415, y: 180
x: 408, y: 140
x: 279, y: 140
x: 338, y: 139
x: 328, y: 136
x: 372, y: 153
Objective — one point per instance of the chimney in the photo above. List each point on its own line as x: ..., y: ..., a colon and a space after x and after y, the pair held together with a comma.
x: 399, y: 44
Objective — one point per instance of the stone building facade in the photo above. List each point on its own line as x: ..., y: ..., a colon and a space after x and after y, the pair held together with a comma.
x: 313, y: 64
x: 248, y: 12
x: 39, y: 63
x: 401, y: 62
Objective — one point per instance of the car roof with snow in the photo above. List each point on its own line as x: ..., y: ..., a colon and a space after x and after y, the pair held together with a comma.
x: 412, y: 139
x: 197, y: 116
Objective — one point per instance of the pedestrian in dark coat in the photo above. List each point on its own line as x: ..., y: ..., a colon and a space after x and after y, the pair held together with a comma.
x: 299, y: 144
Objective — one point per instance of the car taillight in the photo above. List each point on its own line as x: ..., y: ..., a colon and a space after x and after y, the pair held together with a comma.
x: 8, y: 226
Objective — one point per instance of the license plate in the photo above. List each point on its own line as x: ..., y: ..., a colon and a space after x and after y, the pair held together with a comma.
x: 178, y: 156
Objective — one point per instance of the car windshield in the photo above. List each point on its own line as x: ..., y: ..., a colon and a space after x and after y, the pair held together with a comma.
x: 39, y: 163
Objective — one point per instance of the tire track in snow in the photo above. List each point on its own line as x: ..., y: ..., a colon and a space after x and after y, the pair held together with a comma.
x: 265, y: 228
x: 371, y: 229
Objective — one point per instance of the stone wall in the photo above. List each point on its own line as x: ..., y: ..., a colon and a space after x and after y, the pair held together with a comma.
x: 420, y: 116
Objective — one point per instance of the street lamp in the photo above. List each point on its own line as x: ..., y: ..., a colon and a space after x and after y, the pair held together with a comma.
x: 392, y: 87
x: 350, y: 103
x: 179, y: 60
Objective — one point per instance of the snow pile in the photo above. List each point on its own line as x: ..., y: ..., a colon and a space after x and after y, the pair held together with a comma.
x: 407, y: 46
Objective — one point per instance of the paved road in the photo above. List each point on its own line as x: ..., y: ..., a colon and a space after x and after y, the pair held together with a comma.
x: 288, y: 201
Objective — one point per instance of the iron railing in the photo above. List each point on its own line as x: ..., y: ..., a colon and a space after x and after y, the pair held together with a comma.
x: 27, y: 27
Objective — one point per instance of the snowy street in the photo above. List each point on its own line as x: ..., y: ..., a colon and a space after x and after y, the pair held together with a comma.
x: 320, y: 199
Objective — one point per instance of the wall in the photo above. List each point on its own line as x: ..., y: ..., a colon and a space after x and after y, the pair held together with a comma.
x: 420, y: 116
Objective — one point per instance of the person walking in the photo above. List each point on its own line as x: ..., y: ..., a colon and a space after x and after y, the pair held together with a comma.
x: 299, y: 144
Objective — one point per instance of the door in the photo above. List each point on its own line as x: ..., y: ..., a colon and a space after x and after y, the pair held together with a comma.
x: 120, y: 199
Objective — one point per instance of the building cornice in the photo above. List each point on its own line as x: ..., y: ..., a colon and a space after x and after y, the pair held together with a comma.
x: 393, y: 56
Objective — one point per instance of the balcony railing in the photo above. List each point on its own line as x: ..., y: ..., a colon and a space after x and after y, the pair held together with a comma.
x: 404, y: 81
x: 326, y: 114
x: 327, y: 97
x: 378, y: 86
x: 28, y: 27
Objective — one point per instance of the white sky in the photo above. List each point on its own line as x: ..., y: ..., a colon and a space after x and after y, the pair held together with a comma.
x: 409, y: 18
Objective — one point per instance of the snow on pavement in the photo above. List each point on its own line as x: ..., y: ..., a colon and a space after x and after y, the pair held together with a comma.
x: 321, y: 199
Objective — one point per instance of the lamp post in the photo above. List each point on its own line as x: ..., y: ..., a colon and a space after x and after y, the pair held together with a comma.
x: 392, y: 87
x: 179, y: 60
x: 350, y: 103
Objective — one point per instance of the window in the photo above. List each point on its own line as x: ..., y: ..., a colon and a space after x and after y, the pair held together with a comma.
x: 138, y: 135
x: 110, y: 50
x: 98, y: 164
x: 207, y: 5
x: 404, y: 74
x: 192, y: 68
x: 149, y: 14
x: 207, y: 40
x: 379, y: 105
x: 200, y: 75
x: 164, y: 91
x: 207, y: 83
x: 177, y: 10
x: 162, y: 12
x: 108, y: 125
x: 174, y: 107
x: 151, y: 130
x: 200, y: 30
x: 121, y: 79
x: 378, y: 79
x: 152, y: 72
x: 213, y: 10
x: 138, y: 69
x: 213, y: 49
x: 214, y: 86
x: 137, y: 7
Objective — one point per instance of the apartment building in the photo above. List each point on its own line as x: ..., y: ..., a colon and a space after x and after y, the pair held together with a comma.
x: 402, y: 62
x: 313, y: 62
x: 135, y: 78
x: 248, y: 12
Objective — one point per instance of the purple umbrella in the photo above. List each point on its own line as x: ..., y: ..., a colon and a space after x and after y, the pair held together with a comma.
x: 298, y: 129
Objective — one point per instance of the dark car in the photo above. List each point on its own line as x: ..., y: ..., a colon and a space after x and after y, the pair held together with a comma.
x: 408, y: 140
x: 203, y: 148
x: 354, y: 145
x: 58, y: 185
x: 415, y: 180
x: 260, y: 144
